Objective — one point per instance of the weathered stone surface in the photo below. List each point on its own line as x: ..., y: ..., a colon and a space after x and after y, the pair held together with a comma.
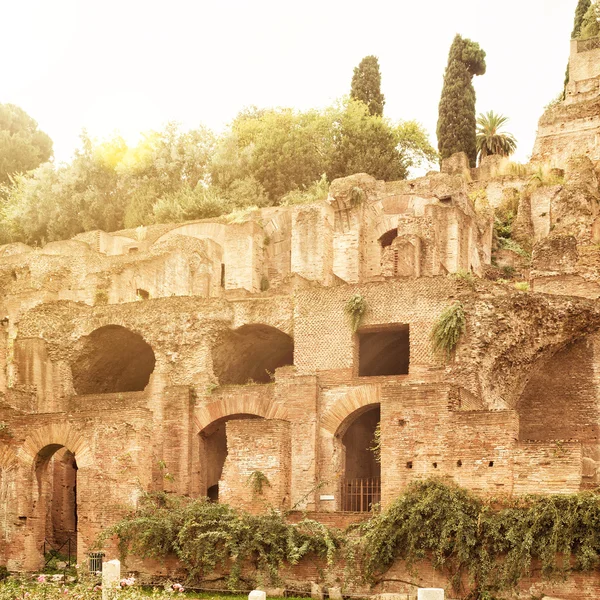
x: 111, y: 578
x: 431, y: 594
x: 335, y: 593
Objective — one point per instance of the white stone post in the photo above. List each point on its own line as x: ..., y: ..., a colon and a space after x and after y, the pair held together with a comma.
x: 111, y: 579
x: 430, y: 594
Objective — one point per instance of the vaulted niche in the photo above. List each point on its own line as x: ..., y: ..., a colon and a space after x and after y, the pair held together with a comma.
x: 56, y: 474
x: 213, y: 449
x: 112, y: 359
x: 384, y: 352
x: 361, y: 484
x: 251, y: 354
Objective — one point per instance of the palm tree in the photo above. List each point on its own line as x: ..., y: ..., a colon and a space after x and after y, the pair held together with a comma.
x: 489, y: 139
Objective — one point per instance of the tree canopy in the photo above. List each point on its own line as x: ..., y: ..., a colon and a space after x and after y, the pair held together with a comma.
x: 366, y: 85
x: 23, y: 146
x: 456, y: 128
x: 266, y: 156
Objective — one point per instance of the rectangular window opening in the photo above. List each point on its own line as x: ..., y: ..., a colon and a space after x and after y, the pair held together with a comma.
x: 384, y: 352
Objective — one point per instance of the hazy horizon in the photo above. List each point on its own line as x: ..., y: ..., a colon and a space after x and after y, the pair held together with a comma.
x: 130, y: 67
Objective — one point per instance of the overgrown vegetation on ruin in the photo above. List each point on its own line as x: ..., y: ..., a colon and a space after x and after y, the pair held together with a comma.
x: 486, y: 545
x: 448, y: 328
x: 206, y: 536
x: 266, y: 157
x: 355, y: 308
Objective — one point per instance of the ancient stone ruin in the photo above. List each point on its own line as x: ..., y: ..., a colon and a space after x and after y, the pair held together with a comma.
x: 187, y: 357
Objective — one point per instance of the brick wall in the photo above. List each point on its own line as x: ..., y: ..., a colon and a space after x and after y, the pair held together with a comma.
x: 257, y: 445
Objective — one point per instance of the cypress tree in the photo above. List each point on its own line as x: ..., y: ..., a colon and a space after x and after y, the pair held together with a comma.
x: 366, y: 85
x: 456, y: 127
x: 582, y: 8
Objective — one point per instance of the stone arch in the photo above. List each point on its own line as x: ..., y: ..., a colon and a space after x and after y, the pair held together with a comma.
x: 251, y: 353
x: 335, y: 419
x: 384, y: 224
x: 112, y: 359
x: 8, y: 459
x: 238, y: 405
x: 213, y: 231
x: 55, y: 434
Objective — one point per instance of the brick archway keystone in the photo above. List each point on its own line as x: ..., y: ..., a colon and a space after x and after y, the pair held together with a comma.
x: 60, y: 434
x: 227, y: 407
x: 357, y: 398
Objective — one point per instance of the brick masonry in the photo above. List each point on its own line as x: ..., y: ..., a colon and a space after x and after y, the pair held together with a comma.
x: 514, y: 410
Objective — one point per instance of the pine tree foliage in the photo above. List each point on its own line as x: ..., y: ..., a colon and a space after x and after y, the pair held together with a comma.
x: 456, y: 128
x: 366, y: 85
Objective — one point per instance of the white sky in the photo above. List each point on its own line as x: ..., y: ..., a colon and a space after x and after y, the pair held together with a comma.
x: 132, y: 65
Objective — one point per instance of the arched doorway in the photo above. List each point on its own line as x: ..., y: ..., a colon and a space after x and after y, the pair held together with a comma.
x: 55, y: 510
x: 112, y: 359
x: 251, y: 353
x: 361, y: 483
x: 213, y: 451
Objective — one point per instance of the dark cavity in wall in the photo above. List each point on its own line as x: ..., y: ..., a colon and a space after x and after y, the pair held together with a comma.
x: 384, y: 352
x: 112, y: 359
x: 251, y: 354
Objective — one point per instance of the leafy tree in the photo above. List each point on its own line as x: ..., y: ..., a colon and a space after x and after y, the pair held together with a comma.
x: 281, y: 149
x: 366, y: 143
x: 285, y: 150
x: 580, y: 11
x: 23, y: 147
x: 457, y: 123
x: 106, y: 186
x: 590, y: 24
x: 490, y: 140
x: 366, y: 85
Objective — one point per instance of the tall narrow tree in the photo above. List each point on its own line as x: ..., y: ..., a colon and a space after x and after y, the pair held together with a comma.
x: 582, y: 8
x: 366, y: 85
x: 456, y: 129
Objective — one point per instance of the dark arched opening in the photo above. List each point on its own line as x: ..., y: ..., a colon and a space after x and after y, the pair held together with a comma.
x: 214, y: 453
x: 361, y: 484
x: 112, y: 359
x: 251, y: 354
x: 56, y: 474
x: 388, y: 237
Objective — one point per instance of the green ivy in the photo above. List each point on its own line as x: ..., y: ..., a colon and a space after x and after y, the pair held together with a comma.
x: 257, y: 481
x: 464, y: 535
x: 491, y: 544
x: 204, y: 536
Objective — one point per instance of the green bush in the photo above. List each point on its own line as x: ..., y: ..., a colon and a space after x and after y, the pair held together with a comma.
x: 447, y: 329
x: 205, y: 535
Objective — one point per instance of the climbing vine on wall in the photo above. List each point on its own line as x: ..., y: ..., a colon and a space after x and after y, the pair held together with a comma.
x: 486, y: 545
x: 206, y: 536
x: 448, y: 328
x: 355, y: 309
x: 257, y: 481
